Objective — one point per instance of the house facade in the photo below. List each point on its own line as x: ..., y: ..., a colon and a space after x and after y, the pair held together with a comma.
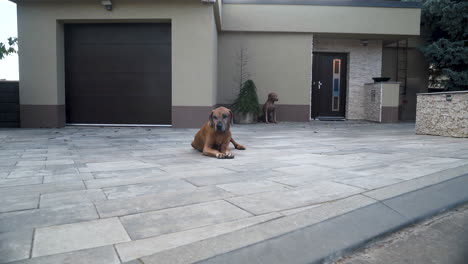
x: 169, y: 62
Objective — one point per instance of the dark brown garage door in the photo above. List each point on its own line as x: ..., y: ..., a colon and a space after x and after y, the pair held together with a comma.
x: 118, y: 73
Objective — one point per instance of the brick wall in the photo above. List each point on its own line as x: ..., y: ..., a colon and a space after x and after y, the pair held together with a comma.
x: 9, y: 104
x: 373, y: 102
x: 442, y: 114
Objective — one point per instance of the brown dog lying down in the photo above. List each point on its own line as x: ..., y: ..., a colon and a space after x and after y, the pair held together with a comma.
x: 269, y: 108
x: 214, y: 137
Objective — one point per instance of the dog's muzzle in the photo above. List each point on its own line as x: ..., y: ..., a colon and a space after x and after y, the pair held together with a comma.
x: 220, y: 127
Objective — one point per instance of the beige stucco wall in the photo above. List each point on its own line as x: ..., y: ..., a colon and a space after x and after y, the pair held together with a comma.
x: 214, y: 63
x: 435, y: 115
x: 276, y: 62
x: 321, y: 19
x: 194, y: 42
x: 364, y: 62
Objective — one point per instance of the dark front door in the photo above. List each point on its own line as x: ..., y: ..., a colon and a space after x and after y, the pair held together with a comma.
x: 118, y: 73
x: 329, y: 85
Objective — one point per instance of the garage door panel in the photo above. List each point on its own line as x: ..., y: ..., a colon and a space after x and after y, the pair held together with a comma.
x: 130, y: 110
x: 107, y: 61
x: 118, y: 73
x: 124, y: 84
x: 112, y: 33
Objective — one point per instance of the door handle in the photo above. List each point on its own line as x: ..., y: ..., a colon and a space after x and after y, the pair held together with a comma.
x: 319, y: 84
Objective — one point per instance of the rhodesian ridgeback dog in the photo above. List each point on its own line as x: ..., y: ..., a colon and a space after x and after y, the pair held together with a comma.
x: 269, y: 108
x: 214, y: 137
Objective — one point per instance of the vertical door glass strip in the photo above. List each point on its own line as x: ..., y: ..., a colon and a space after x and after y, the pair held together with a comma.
x: 336, y: 85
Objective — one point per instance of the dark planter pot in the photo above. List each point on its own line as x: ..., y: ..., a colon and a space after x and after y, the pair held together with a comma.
x: 245, y: 118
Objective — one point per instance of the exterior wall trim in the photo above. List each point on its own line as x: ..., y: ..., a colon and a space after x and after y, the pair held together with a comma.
x: 357, y: 3
x: 42, y: 116
x: 190, y: 116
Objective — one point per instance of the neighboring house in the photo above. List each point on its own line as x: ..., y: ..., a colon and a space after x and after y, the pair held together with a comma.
x: 170, y: 61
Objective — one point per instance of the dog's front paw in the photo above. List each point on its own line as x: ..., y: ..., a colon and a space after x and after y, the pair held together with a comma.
x: 227, y: 155
x: 240, y: 147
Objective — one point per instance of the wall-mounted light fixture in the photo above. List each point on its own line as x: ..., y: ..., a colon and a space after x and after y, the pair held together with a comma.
x: 364, y: 42
x: 107, y: 4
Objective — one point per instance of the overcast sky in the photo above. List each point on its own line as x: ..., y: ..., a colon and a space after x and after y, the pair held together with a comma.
x: 9, y: 65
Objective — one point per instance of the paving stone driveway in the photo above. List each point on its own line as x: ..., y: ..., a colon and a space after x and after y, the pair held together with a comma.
x: 111, y: 195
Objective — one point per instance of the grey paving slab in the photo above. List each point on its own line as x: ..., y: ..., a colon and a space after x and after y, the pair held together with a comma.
x: 68, y: 177
x: 44, y: 163
x: 19, y: 172
x: 129, y: 173
x: 180, y: 218
x: 370, y: 182
x: 3, y: 174
x: 8, y: 162
x: 299, y: 209
x: 183, y: 167
x: 148, y: 246
x: 302, y: 196
x: 165, y: 199
x: 136, y: 261
x: 202, y: 172
x: 116, y: 165
x: 20, y: 181
x: 77, y: 236
x: 306, y: 174
x: 261, y: 164
x: 99, y: 255
x: 415, y: 184
x: 72, y: 197
x: 22, y: 172
x: 231, y: 177
x: 128, y: 191
x: 249, y: 187
x: 126, y: 180
x: 25, y: 158
x: 332, y: 161
x: 42, y: 188
x: 15, y: 245
x: 46, y: 217
x: 19, y: 202
x: 410, y: 169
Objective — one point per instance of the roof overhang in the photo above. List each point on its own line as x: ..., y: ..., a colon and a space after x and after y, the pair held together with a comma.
x: 323, y: 16
x: 357, y: 3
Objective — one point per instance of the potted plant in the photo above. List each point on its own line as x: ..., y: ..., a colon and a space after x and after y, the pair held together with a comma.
x: 246, y: 107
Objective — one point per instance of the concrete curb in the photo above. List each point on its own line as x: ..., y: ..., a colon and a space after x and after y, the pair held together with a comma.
x: 321, y: 234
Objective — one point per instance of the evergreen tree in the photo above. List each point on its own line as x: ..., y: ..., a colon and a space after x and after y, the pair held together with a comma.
x: 247, y: 101
x: 445, y: 27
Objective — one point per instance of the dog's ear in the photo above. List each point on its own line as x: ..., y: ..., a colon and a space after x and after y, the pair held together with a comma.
x: 211, y: 119
x: 232, y: 117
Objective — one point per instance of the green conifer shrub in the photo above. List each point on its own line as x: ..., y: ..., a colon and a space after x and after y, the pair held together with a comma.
x: 247, y: 100
x: 445, y: 28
